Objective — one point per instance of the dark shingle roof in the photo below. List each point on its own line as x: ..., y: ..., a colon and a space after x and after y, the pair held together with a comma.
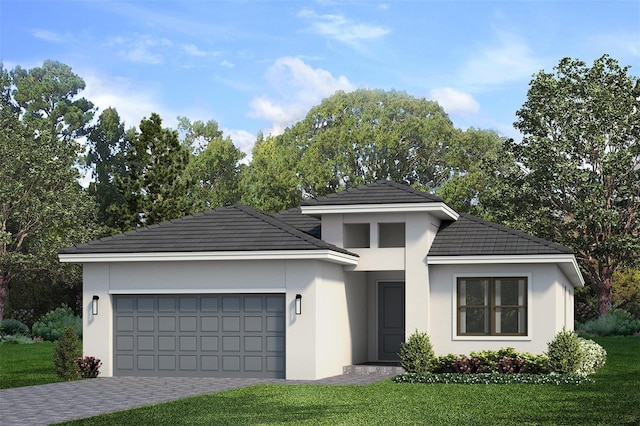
x: 303, y: 222
x: 472, y: 236
x: 232, y: 228
x: 380, y: 192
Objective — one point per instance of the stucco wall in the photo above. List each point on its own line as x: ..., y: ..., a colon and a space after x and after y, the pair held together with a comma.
x: 550, y: 300
x: 318, y: 342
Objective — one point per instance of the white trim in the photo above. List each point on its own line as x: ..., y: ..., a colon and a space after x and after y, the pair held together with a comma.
x: 454, y: 306
x: 328, y: 255
x: 199, y: 291
x: 438, y: 209
x: 566, y: 262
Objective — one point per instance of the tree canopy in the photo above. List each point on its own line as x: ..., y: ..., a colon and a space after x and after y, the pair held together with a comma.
x: 360, y: 137
x: 42, y: 206
x: 578, y: 180
x: 155, y: 187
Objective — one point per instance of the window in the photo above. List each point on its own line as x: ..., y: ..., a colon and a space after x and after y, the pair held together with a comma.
x: 356, y: 235
x: 492, y: 306
x: 391, y: 235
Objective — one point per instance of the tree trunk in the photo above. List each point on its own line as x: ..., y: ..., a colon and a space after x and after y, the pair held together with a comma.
x: 603, y: 291
x: 5, y: 277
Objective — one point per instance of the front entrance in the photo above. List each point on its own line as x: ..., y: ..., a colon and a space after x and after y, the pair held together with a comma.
x: 390, y: 320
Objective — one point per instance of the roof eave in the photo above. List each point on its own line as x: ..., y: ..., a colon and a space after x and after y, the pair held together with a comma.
x: 323, y: 254
x: 438, y: 209
x: 566, y: 262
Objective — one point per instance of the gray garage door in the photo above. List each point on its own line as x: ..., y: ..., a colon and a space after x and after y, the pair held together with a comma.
x: 219, y: 335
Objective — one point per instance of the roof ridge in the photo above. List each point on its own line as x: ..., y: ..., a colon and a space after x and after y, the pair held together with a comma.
x: 409, y: 189
x: 271, y: 220
x: 517, y: 233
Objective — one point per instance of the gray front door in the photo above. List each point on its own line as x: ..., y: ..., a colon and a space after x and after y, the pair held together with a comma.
x: 390, y: 320
x: 213, y: 335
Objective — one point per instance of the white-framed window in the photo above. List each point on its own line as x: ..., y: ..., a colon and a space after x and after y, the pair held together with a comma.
x: 492, y: 306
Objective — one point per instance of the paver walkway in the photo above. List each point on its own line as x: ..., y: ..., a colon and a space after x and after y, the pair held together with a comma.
x: 56, y: 402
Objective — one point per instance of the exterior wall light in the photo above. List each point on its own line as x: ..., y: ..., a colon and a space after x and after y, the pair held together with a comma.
x: 298, y: 304
x: 94, y: 305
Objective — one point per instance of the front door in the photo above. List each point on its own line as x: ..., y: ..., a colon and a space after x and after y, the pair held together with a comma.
x: 390, y: 320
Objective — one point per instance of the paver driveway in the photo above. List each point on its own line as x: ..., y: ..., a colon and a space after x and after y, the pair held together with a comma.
x: 56, y: 402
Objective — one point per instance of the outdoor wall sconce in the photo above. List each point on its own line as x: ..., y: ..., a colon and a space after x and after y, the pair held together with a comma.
x: 94, y: 305
x: 298, y: 304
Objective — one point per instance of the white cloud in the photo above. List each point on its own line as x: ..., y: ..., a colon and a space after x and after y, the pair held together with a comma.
x: 142, y: 49
x: 298, y: 87
x: 226, y: 64
x: 341, y: 28
x: 454, y: 101
x: 51, y: 36
x: 132, y: 102
x: 193, y: 50
x: 243, y: 140
x: 509, y: 60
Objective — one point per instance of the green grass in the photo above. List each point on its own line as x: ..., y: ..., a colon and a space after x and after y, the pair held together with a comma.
x: 27, y: 365
x: 614, y: 399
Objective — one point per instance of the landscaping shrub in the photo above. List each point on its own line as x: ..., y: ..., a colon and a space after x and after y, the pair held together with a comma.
x: 416, y: 354
x: 565, y: 355
x: 535, y: 364
x: 444, y: 363
x: 593, y: 356
x: 511, y: 365
x: 616, y: 323
x: 16, y: 340
x: 467, y: 365
x: 66, y: 353
x: 13, y: 327
x: 88, y: 367
x: 52, y: 323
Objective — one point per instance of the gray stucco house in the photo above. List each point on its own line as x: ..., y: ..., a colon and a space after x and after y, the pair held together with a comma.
x: 340, y: 280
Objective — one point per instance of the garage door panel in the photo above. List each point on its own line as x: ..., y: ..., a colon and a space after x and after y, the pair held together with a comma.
x: 200, y: 335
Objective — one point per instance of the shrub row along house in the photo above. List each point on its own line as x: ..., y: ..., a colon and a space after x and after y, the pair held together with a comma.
x: 340, y: 280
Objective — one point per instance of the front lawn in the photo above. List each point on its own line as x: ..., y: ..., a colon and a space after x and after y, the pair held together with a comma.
x: 27, y: 365
x: 613, y: 399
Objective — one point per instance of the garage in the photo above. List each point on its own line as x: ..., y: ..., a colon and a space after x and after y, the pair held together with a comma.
x: 199, y: 335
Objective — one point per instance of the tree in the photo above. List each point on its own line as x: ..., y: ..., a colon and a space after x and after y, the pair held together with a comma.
x: 271, y: 182
x: 108, y: 144
x: 155, y: 187
x: 356, y: 138
x: 214, y: 165
x: 48, y: 98
x: 472, y: 158
x: 42, y: 206
x: 578, y: 180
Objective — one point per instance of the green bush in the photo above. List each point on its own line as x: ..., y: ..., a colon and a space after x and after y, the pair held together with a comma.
x: 565, y: 355
x: 616, y: 323
x: 445, y: 363
x: 593, y: 356
x: 13, y: 327
x: 535, y: 364
x: 18, y: 339
x: 67, y: 351
x: 52, y: 324
x: 416, y: 354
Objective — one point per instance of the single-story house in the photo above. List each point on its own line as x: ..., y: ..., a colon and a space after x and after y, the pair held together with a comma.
x: 342, y: 279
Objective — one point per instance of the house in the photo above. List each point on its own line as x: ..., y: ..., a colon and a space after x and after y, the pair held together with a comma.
x: 340, y: 280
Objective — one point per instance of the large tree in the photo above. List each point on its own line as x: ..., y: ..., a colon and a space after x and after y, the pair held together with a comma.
x: 362, y: 136
x: 42, y: 206
x: 48, y: 97
x: 155, y: 187
x: 578, y: 180
x: 108, y: 144
x: 214, y: 166
x: 271, y: 182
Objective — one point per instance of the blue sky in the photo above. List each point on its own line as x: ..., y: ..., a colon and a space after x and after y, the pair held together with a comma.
x: 261, y: 65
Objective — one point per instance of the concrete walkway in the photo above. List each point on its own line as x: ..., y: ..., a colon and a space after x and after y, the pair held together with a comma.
x: 56, y: 402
